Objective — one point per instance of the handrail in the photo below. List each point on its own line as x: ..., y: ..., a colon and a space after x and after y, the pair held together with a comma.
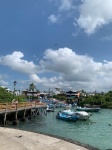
x: 13, y: 106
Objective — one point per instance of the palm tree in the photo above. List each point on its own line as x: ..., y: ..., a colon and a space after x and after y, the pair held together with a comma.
x: 32, y: 87
x: 38, y: 91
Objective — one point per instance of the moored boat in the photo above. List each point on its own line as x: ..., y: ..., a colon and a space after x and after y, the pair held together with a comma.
x: 88, y: 109
x: 50, y: 108
x: 67, y: 115
x: 82, y: 115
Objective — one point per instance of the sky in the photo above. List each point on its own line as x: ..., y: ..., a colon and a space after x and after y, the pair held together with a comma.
x: 64, y: 44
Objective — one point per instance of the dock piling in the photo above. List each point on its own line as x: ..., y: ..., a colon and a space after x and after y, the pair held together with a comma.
x: 14, y: 113
x: 5, y: 116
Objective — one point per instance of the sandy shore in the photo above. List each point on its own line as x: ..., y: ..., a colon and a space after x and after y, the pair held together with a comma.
x: 13, y: 139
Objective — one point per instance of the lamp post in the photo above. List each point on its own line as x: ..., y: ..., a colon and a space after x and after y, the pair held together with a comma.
x: 14, y: 88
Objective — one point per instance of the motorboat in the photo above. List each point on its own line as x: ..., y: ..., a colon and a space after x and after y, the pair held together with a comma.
x: 50, y: 108
x: 60, y: 105
x: 88, y: 109
x: 67, y: 115
x: 82, y: 115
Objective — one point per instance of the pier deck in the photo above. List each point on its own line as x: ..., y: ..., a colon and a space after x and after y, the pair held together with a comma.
x: 20, y: 106
x: 15, y: 111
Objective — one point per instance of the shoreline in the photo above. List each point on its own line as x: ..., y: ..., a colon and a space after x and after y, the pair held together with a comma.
x: 87, y: 146
x: 38, y: 137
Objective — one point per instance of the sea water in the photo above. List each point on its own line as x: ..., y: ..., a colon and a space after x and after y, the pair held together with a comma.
x: 96, y: 131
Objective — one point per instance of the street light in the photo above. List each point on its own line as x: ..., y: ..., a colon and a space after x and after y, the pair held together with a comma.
x: 14, y: 88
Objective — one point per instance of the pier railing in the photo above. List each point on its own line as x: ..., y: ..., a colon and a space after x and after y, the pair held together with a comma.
x: 7, y: 109
x: 13, y: 106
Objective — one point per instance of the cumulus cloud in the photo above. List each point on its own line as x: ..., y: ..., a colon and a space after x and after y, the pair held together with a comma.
x: 63, y: 7
x: 63, y: 68
x: 78, y: 71
x: 34, y: 77
x: 52, y: 82
x: 70, y: 64
x: 88, y: 15
x: 15, y: 62
x: 94, y: 14
x: 66, y: 5
x: 53, y: 18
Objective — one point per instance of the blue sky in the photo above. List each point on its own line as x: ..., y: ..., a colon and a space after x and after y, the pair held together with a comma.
x: 63, y: 44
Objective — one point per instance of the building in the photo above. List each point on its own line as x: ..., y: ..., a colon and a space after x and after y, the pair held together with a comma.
x: 72, y: 94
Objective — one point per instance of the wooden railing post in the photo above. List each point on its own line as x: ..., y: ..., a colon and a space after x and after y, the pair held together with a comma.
x: 15, y: 122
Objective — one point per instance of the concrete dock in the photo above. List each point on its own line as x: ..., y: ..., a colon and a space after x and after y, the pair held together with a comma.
x: 13, y: 139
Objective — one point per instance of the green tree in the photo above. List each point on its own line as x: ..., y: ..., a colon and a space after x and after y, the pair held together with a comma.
x: 60, y: 97
x: 38, y: 91
x: 32, y: 87
x: 93, y: 100
x: 5, y: 96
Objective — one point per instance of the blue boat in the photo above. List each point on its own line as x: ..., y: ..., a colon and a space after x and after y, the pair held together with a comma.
x: 60, y: 105
x: 64, y: 115
x: 50, y: 108
x: 88, y: 109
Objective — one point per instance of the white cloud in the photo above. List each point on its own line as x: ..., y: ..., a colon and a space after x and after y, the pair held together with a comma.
x: 63, y: 68
x: 76, y: 32
x: 77, y: 71
x: 89, y: 15
x: 70, y: 64
x: 2, y: 80
x: 34, y: 77
x: 63, y: 7
x: 94, y: 14
x: 52, y: 82
x: 66, y: 5
x: 107, y: 38
x: 15, y: 62
x: 53, y: 18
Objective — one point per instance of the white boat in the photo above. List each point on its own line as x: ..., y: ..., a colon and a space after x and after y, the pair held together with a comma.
x: 88, y: 109
x: 68, y: 107
x: 49, y: 108
x: 67, y: 115
x: 81, y: 114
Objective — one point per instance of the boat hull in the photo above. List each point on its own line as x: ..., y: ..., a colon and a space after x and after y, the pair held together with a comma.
x: 88, y: 109
x: 82, y: 115
x: 66, y: 117
x: 50, y: 110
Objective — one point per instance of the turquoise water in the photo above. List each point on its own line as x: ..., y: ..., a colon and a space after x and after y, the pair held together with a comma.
x: 97, y: 131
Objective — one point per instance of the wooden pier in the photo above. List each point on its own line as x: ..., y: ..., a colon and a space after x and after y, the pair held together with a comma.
x: 19, y: 111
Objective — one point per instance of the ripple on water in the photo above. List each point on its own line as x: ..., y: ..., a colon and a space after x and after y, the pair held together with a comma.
x: 97, y: 131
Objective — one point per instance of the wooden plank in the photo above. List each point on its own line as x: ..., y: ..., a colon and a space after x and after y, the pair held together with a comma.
x: 21, y: 106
